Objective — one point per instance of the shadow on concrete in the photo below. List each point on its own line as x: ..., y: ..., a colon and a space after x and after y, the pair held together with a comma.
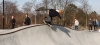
x: 54, y: 27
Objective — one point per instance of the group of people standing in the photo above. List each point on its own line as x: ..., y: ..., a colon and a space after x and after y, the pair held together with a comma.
x: 26, y: 21
x: 93, y: 23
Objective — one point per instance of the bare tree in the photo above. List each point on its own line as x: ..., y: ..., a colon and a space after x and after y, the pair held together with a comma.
x: 86, y: 8
x: 10, y: 9
x: 0, y: 10
x: 35, y: 6
x: 27, y: 7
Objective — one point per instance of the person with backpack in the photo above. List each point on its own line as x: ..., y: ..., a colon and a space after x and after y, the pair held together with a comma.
x: 94, y: 24
x: 97, y: 24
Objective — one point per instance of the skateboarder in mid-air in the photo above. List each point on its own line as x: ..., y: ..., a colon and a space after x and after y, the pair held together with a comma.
x: 51, y: 13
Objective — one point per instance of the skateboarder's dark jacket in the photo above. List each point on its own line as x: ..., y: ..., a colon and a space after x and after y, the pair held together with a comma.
x: 54, y: 13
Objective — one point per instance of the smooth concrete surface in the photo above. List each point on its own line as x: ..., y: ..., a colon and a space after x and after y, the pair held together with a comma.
x: 45, y: 35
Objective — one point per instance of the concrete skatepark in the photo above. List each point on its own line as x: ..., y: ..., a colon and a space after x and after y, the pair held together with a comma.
x: 44, y: 35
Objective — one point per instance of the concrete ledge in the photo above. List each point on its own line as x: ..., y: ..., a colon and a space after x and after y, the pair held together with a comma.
x: 10, y: 31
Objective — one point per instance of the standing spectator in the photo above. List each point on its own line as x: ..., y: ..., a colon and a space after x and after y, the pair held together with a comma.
x: 94, y: 24
x: 76, y: 24
x: 90, y: 24
x: 27, y: 20
x: 97, y: 24
x: 13, y: 21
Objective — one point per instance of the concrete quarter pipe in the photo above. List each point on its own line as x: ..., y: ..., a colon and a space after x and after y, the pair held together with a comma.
x: 44, y: 35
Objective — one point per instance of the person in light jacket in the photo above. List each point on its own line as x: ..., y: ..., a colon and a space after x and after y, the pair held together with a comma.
x: 76, y: 24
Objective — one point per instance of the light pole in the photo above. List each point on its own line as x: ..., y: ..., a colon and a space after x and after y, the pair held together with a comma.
x: 3, y: 16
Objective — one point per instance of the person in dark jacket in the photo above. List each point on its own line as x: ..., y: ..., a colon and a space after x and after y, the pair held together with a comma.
x: 13, y: 21
x: 90, y: 24
x: 27, y: 20
x: 94, y: 24
x: 50, y: 14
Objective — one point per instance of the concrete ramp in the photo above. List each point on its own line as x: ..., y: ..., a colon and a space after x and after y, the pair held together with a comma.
x: 44, y: 35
